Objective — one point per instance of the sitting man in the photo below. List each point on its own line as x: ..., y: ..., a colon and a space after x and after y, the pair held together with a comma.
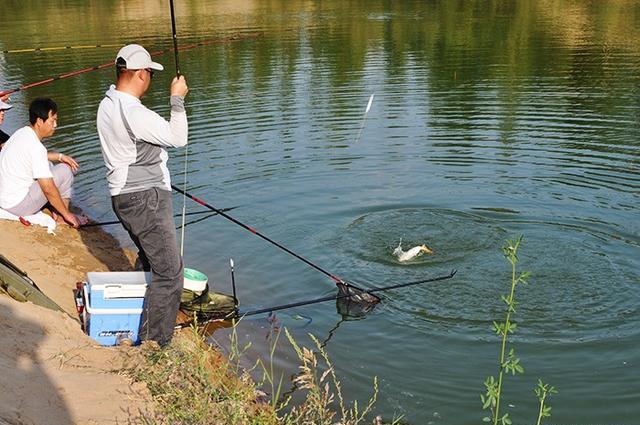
x: 27, y: 179
x: 3, y: 108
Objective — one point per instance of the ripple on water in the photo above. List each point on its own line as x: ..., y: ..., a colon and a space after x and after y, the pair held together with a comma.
x: 373, y: 237
x: 579, y: 290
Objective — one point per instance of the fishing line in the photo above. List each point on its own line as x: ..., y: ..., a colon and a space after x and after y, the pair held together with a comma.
x: 111, y: 63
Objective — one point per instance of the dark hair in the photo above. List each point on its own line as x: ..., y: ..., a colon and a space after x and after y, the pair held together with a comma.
x: 121, y: 66
x: 40, y: 108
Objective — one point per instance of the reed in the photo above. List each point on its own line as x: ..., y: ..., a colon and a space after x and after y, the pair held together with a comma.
x: 317, y: 378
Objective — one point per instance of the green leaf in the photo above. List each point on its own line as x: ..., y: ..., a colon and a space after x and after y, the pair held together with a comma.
x: 489, y: 382
x: 486, y: 403
x: 524, y: 277
x: 486, y: 419
x: 505, y: 419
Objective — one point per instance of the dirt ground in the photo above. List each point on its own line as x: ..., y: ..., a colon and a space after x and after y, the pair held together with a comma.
x: 50, y: 371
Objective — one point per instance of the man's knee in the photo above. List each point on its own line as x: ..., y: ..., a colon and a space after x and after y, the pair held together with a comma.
x: 63, y: 171
x: 63, y: 178
x: 169, y: 269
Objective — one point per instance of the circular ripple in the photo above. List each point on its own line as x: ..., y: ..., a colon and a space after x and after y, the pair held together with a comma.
x: 373, y: 237
x: 581, y: 287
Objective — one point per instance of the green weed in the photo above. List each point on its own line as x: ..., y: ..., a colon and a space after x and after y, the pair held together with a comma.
x: 193, y: 383
x: 508, y: 361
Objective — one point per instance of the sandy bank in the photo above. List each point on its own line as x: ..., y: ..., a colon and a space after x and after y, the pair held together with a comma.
x: 51, y: 373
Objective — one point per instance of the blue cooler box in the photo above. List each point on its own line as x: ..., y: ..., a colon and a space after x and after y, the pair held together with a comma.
x: 113, y: 305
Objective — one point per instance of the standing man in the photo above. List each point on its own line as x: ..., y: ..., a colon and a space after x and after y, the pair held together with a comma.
x: 133, y: 139
x: 27, y: 179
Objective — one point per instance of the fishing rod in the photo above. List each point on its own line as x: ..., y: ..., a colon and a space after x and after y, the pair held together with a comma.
x: 108, y: 223
x: 198, y: 220
x: 174, y: 34
x: 336, y: 279
x: 175, y: 38
x: 54, y: 78
x: 111, y: 63
x: 343, y: 296
x: 340, y: 296
x: 52, y: 49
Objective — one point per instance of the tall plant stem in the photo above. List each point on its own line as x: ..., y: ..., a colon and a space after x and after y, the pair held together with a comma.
x: 505, y: 330
x: 544, y: 396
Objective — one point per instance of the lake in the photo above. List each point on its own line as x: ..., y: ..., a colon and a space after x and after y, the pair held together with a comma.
x: 490, y: 120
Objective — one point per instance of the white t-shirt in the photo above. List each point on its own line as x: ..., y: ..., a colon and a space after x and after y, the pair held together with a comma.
x: 22, y: 160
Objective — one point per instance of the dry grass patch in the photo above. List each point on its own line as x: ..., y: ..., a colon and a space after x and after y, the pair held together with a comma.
x: 192, y: 383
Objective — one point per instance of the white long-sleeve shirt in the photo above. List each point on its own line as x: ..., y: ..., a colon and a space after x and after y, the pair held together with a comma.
x: 133, y: 139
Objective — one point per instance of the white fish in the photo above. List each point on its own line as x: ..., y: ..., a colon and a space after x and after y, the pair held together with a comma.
x: 412, y: 253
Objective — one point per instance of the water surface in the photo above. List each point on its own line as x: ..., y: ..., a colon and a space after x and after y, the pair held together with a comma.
x: 491, y: 119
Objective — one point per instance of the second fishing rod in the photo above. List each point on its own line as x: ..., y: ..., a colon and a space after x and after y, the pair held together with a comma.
x: 110, y: 64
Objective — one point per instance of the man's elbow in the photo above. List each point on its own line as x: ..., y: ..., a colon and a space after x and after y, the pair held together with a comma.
x: 48, y: 190
x: 179, y: 140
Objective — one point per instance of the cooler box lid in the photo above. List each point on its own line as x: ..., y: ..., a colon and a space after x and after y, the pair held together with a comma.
x: 119, y: 284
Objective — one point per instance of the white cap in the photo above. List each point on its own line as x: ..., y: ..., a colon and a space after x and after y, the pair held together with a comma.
x: 137, y: 57
x: 4, y: 106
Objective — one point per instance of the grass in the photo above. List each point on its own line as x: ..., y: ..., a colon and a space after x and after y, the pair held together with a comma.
x: 318, y: 379
x: 192, y: 383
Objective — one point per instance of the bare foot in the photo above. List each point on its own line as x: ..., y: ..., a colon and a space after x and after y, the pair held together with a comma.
x: 82, y: 219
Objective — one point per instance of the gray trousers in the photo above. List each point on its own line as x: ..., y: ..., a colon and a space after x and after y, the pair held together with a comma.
x: 35, y: 199
x: 148, y: 217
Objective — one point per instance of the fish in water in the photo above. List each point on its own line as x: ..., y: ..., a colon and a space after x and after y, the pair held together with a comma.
x: 412, y: 253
